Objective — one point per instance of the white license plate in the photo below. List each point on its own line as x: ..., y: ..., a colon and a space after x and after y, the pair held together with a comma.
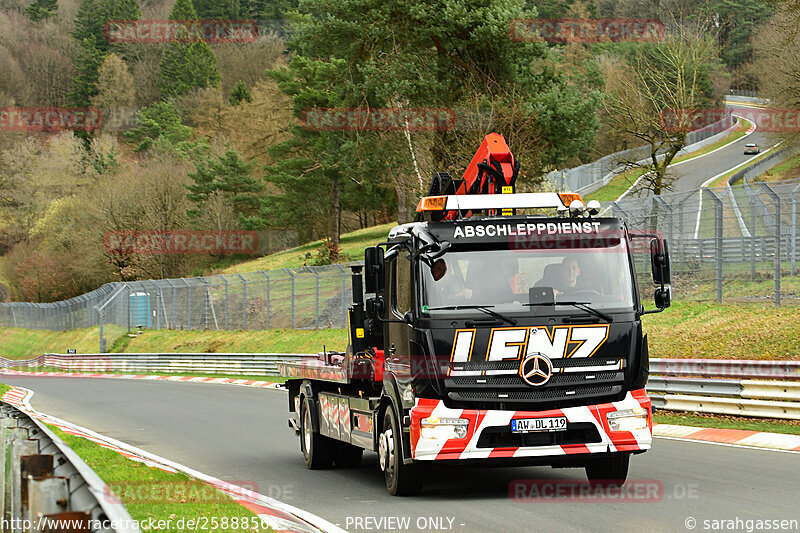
x: 529, y: 425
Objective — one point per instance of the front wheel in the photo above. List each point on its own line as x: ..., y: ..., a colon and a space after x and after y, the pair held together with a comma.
x: 401, y: 479
x: 609, y: 471
x: 317, y: 449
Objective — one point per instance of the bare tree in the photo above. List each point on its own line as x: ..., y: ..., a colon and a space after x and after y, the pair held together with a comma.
x: 777, y: 61
x: 660, y: 81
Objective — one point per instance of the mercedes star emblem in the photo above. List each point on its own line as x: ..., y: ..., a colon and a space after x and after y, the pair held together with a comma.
x: 536, y: 369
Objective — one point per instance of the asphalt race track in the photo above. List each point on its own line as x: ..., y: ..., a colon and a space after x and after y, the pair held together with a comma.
x: 239, y: 433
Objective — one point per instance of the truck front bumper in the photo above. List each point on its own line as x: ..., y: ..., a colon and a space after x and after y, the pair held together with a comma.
x: 588, y: 431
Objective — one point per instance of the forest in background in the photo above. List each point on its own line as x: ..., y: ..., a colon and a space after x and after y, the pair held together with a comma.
x: 208, y: 136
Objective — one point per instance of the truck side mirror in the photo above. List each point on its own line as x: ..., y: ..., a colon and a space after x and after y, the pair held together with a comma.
x: 659, y: 261
x: 662, y: 297
x: 374, y: 268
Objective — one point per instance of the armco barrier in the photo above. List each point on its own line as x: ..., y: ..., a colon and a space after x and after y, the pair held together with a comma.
x: 255, y: 364
x: 47, y: 486
x: 675, y: 384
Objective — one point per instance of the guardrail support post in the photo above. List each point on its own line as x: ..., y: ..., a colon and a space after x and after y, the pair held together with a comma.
x: 776, y: 199
x: 47, y: 497
x: 717, y: 240
x: 20, y: 446
x: 7, y: 426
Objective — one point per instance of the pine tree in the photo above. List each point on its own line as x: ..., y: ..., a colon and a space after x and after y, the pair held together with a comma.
x: 239, y: 94
x: 89, y: 21
x: 87, y: 63
x: 217, y: 9
x: 230, y: 176
x: 42, y: 9
x: 158, y: 124
x: 187, y: 65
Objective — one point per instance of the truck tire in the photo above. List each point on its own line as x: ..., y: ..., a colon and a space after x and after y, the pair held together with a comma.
x: 401, y: 479
x: 609, y: 470
x: 346, y: 455
x: 317, y: 449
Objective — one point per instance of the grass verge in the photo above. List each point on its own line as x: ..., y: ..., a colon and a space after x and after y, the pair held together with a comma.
x: 3, y: 389
x: 770, y: 425
x: 788, y: 170
x: 727, y: 331
x: 19, y: 343
x: 263, y: 341
x: 351, y: 249
x: 151, y: 494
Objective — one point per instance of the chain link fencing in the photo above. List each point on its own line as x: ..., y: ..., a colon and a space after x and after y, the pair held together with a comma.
x: 731, y: 243
x: 736, y: 242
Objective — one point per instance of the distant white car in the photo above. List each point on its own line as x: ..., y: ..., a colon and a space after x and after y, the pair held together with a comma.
x: 752, y: 148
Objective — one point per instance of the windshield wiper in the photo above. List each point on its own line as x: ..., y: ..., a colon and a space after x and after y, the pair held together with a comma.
x: 484, y: 308
x: 580, y: 305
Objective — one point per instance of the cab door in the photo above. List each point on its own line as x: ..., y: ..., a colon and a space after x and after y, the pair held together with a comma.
x: 400, y: 334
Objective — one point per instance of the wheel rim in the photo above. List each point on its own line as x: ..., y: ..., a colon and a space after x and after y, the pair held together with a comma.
x: 386, y: 448
x: 306, y: 431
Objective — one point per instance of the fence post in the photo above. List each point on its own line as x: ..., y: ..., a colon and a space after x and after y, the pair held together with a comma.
x: 794, y: 230
x: 227, y: 302
x: 292, y: 297
x: 244, y: 301
x: 668, y: 209
x: 188, y: 303
x: 344, y: 291
x: 752, y: 236
x: 717, y: 239
x: 102, y: 339
x: 267, y: 278
x: 775, y: 198
x: 316, y: 296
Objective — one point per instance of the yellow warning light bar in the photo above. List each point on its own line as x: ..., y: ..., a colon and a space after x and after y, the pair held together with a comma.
x: 432, y: 203
x: 569, y: 197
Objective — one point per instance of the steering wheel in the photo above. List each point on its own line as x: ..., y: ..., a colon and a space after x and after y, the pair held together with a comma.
x: 586, y: 292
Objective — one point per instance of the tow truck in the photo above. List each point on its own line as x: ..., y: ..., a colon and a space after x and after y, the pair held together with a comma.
x: 499, y: 328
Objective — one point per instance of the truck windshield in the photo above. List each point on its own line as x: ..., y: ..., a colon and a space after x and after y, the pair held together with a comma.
x: 503, y: 280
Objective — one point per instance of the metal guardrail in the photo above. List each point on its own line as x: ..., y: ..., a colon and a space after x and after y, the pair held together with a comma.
x: 726, y: 368
x: 675, y: 384
x: 47, y: 486
x: 700, y: 385
x: 255, y: 364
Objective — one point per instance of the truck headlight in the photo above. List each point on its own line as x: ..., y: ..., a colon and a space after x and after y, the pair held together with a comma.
x: 437, y: 428
x: 627, y: 419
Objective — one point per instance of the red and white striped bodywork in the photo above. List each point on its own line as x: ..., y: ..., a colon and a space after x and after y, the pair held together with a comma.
x: 466, y: 448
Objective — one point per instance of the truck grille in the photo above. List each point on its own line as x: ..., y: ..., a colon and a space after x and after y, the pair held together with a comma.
x: 572, y: 379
